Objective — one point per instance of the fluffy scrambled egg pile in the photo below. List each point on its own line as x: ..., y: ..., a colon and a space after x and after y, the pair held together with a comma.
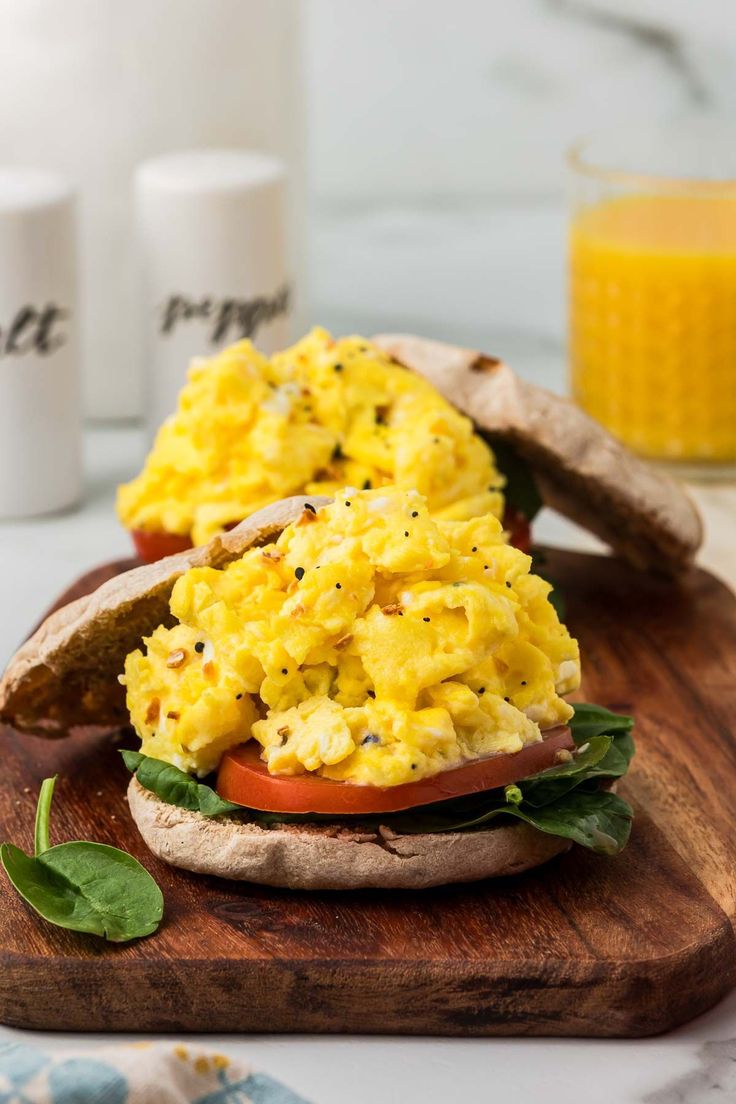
x: 370, y: 643
x: 322, y: 415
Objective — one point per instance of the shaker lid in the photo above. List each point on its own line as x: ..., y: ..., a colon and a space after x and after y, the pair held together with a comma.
x: 208, y: 171
x: 25, y: 189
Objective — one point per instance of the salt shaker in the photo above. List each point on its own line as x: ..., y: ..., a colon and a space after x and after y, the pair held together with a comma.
x: 40, y: 427
x: 212, y: 239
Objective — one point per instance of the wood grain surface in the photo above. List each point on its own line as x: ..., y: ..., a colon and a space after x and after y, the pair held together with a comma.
x: 591, y: 946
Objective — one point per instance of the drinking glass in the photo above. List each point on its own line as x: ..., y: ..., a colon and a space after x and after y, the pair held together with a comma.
x: 652, y: 292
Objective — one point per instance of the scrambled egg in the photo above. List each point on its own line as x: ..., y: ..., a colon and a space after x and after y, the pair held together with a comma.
x: 324, y: 414
x: 370, y: 643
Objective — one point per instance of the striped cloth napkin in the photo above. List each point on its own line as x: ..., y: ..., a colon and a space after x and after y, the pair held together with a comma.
x: 144, y: 1073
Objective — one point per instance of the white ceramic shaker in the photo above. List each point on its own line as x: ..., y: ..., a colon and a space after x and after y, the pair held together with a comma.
x: 212, y: 235
x: 40, y: 430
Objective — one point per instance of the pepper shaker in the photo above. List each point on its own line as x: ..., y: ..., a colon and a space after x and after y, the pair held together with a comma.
x: 214, y: 264
x: 40, y: 424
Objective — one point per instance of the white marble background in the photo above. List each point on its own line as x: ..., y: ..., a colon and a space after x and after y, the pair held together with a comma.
x: 435, y: 150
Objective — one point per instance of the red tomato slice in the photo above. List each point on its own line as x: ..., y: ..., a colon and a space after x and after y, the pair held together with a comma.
x: 154, y: 546
x: 518, y: 529
x: 243, y: 778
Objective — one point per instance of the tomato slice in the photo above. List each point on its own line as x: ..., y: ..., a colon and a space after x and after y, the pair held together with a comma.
x: 518, y: 529
x: 243, y: 778
x: 152, y: 546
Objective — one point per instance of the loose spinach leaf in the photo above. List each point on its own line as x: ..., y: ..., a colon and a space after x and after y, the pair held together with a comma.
x: 87, y: 887
x: 176, y: 787
x: 521, y: 490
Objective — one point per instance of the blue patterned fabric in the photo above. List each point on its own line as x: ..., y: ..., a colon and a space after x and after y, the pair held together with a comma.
x: 148, y: 1073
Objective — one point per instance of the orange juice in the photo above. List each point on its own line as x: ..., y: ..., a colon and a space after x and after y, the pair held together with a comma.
x: 653, y: 322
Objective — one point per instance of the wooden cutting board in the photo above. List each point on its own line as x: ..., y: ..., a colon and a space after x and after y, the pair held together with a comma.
x: 632, y: 945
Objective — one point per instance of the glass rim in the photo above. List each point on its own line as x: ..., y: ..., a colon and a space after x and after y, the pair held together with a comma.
x: 577, y: 161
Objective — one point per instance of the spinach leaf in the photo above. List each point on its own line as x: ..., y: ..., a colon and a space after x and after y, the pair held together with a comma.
x: 564, y: 800
x: 599, y: 757
x: 600, y: 821
x: 594, y: 720
x: 588, y: 756
x: 546, y: 787
x: 556, y: 597
x: 87, y: 887
x: 557, y: 600
x: 521, y: 490
x: 176, y: 787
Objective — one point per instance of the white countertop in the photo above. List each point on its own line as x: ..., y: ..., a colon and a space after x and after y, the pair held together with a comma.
x: 694, y: 1065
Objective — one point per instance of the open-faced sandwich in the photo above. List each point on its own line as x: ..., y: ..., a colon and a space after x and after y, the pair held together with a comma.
x: 339, y: 694
x: 451, y: 423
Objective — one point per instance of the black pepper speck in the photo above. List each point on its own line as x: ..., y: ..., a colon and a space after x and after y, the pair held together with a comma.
x: 338, y: 586
x: 299, y: 572
x: 284, y: 670
x: 415, y: 513
x: 199, y: 646
x: 425, y: 619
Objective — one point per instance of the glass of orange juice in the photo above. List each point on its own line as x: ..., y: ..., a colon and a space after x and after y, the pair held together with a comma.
x: 653, y: 293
